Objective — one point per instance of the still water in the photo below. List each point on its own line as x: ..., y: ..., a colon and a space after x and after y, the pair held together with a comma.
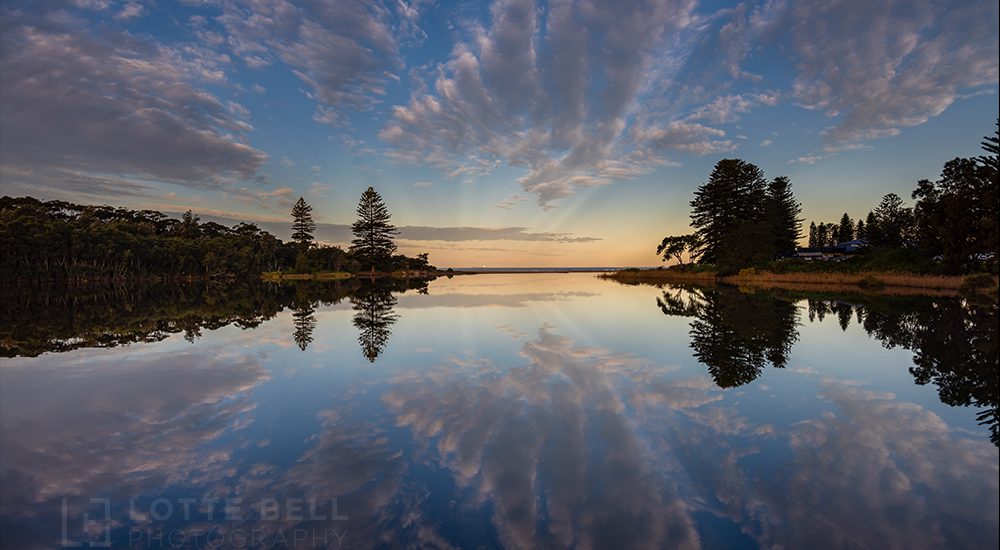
x: 526, y: 410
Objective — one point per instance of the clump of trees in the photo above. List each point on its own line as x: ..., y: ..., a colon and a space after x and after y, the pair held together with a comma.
x: 953, y: 220
x: 372, y: 248
x: 62, y: 241
x: 58, y: 241
x: 740, y: 219
x: 956, y: 217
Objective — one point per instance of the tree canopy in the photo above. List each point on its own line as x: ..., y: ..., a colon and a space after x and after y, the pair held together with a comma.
x: 373, y: 232
x: 740, y: 218
x: 302, y: 223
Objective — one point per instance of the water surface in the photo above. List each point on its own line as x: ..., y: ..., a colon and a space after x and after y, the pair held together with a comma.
x: 524, y: 410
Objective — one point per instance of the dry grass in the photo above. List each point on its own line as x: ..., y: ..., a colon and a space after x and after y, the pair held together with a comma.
x: 275, y: 276
x: 660, y: 275
x: 883, y: 282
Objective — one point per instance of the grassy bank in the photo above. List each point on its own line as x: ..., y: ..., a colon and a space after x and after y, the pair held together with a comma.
x: 276, y: 276
x: 894, y: 282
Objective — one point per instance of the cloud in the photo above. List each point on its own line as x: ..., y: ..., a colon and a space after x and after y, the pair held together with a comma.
x: 343, y: 51
x: 878, y: 67
x: 807, y: 160
x: 130, y: 10
x: 532, y: 106
x: 511, y: 201
x: 279, y: 199
x: 332, y: 232
x: 729, y: 108
x: 766, y: 143
x: 424, y: 233
x: 688, y: 137
x: 112, y: 110
x: 572, y: 116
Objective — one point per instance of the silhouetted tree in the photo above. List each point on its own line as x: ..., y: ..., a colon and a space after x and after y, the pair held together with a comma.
x: 302, y: 224
x: 822, y: 237
x: 372, y: 231
x: 872, y: 231
x: 845, y: 231
x: 813, y: 235
x: 783, y: 212
x: 731, y: 199
x: 957, y: 216
x: 676, y: 247
x: 895, y: 222
x: 991, y: 144
x: 862, y: 231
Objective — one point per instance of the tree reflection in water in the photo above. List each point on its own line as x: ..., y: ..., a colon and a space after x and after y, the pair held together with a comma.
x: 953, y: 339
x: 735, y: 334
x: 373, y: 318
x: 57, y: 319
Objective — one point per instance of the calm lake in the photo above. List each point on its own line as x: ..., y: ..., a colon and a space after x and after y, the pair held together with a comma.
x: 519, y: 410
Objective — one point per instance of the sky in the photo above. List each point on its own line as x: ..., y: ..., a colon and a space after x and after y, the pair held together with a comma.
x: 503, y: 133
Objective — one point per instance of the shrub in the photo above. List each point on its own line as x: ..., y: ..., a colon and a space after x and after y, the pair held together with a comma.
x: 978, y: 281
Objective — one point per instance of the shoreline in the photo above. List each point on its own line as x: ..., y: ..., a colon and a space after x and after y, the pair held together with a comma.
x: 885, y: 282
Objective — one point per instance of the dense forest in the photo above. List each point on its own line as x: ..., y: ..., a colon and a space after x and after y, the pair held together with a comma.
x: 61, y: 241
x: 742, y: 220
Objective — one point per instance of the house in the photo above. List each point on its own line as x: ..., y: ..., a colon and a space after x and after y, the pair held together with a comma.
x: 853, y: 246
x: 839, y: 252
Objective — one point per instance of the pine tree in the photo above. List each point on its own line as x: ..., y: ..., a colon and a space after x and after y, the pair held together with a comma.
x: 372, y: 231
x: 872, y: 231
x: 727, y: 208
x: 821, y: 234
x: 302, y: 224
x: 813, y: 233
x: 862, y: 231
x: 784, y: 210
x: 846, y: 230
x: 894, y: 221
x: 991, y: 144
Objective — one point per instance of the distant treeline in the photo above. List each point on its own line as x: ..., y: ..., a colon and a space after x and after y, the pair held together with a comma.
x: 742, y: 220
x: 61, y: 241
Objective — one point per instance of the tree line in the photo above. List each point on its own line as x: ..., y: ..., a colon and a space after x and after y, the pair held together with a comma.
x: 63, y: 241
x: 741, y: 220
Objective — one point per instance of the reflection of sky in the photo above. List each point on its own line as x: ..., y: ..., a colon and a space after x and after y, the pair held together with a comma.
x: 524, y: 410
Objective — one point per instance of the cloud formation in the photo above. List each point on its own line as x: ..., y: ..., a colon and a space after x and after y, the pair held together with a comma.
x: 878, y: 67
x: 344, y: 51
x: 518, y: 92
x: 341, y: 233
x: 528, y: 88
x: 104, y: 111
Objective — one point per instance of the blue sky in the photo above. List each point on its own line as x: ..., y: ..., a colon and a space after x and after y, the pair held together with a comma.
x: 499, y: 133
